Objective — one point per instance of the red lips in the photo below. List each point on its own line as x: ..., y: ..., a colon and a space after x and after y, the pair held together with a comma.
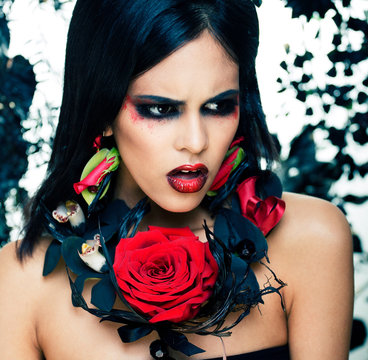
x: 188, y: 178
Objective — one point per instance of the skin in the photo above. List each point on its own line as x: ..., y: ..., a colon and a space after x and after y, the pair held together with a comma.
x: 187, y: 134
x: 310, y: 249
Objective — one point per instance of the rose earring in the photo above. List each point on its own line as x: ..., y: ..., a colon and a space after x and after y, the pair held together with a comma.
x: 233, y: 158
x: 96, y: 175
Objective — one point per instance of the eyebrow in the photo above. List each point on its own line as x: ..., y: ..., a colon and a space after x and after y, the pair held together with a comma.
x: 165, y: 100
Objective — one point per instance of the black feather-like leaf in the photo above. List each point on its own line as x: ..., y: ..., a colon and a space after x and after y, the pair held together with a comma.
x: 268, y: 184
x: 242, y: 229
x: 114, y: 281
x: 178, y: 341
x: 52, y: 257
x: 103, y: 294
x: 130, y: 333
x: 69, y: 250
x: 110, y: 220
x: 100, y: 191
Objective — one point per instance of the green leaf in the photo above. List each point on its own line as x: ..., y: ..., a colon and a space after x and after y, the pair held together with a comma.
x: 52, y: 257
x: 103, y: 294
x: 91, y: 165
x: 230, y: 151
x: 239, y: 158
x: 112, y: 156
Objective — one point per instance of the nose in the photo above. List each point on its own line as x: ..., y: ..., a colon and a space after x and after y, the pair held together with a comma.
x: 192, y: 134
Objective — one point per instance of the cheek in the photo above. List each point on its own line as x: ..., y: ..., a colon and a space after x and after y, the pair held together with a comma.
x: 134, y: 116
x: 135, y: 139
x: 129, y: 111
x: 232, y: 116
x: 224, y: 135
x: 231, y: 122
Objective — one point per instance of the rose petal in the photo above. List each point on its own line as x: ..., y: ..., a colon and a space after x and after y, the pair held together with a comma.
x: 179, y: 313
x: 224, y: 172
x: 141, y: 241
x: 94, y: 177
x: 165, y: 273
x: 265, y: 214
x: 185, y: 231
x: 237, y: 141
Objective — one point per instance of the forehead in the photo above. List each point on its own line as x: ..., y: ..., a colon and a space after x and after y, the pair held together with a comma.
x: 201, y: 66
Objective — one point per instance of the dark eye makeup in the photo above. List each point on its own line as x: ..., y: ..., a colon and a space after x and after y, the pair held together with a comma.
x: 161, y: 108
x: 157, y: 111
x: 219, y: 108
x: 163, y: 111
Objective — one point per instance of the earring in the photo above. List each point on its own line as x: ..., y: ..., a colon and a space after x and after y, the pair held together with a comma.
x: 96, y: 175
x: 97, y: 141
x: 233, y: 158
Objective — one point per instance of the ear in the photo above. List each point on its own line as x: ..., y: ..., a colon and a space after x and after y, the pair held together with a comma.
x: 108, y: 131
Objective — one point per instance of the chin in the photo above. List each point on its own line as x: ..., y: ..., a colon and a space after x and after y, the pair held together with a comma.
x: 180, y: 204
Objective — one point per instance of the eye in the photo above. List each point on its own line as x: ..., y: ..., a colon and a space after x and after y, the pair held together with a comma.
x: 157, y: 111
x: 221, y: 108
x: 212, y: 106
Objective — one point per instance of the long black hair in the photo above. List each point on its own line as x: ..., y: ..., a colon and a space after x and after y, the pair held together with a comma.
x: 111, y: 42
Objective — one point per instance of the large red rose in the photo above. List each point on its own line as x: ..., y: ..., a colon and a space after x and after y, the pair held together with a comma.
x: 265, y: 214
x: 167, y: 274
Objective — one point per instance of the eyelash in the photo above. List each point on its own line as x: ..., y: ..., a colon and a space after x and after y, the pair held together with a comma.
x: 168, y: 111
x: 145, y: 110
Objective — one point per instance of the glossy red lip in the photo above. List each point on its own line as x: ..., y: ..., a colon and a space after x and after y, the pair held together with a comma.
x: 188, y: 178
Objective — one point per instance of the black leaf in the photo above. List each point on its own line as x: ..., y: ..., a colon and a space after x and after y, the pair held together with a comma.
x: 361, y: 136
x: 332, y: 72
x: 309, y: 112
x: 362, y: 97
x: 336, y: 40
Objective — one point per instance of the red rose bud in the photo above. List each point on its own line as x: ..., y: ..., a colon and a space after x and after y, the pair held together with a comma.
x: 97, y: 142
x: 233, y: 158
x: 265, y: 214
x: 109, y: 163
x: 236, y: 141
x: 93, y: 178
x: 166, y: 274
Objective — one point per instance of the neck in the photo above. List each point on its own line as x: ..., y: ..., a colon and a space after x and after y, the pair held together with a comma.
x: 161, y: 217
x: 127, y: 190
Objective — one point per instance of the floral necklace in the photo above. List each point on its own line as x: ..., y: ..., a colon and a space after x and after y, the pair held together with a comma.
x: 169, y: 281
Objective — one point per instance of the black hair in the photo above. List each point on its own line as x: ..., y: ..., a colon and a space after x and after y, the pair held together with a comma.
x: 111, y: 42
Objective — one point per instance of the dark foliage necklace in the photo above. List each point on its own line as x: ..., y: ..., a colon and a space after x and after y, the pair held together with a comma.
x: 168, y: 280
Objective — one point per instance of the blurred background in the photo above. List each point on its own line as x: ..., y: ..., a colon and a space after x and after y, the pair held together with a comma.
x: 313, y: 74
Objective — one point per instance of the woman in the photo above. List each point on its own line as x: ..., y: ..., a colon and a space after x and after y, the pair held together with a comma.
x: 171, y: 87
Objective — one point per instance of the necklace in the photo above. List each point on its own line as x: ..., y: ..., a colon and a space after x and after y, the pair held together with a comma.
x: 169, y: 281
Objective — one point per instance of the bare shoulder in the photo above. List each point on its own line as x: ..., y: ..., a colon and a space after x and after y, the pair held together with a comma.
x: 8, y: 257
x: 312, y: 228
x: 312, y: 232
x: 313, y: 248
x: 20, y: 291
x: 22, y: 277
x: 22, y: 274
x: 306, y: 216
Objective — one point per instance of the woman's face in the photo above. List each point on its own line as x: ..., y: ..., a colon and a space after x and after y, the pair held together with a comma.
x: 176, y: 124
